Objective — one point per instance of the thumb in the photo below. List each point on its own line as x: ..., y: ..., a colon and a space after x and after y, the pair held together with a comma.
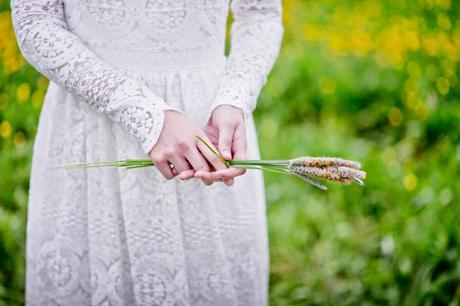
x: 225, y: 142
x: 239, y: 142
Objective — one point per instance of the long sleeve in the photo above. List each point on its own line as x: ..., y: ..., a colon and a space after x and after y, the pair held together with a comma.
x: 47, y: 44
x: 255, y: 41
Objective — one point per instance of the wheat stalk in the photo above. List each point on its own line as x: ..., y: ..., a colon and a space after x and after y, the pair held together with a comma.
x: 307, y: 168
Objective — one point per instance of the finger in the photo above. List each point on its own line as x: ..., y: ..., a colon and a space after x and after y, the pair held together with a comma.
x: 213, y: 134
x: 239, y: 145
x: 197, y: 161
x: 180, y: 164
x: 220, y: 175
x: 213, y: 176
x: 206, y: 182
x: 165, y: 169
x: 225, y: 141
x: 213, y: 159
x: 187, y: 174
x: 231, y: 172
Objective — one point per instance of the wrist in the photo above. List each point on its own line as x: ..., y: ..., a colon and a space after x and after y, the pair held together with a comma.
x: 172, y: 110
x: 168, y: 112
x: 228, y: 108
x: 235, y: 91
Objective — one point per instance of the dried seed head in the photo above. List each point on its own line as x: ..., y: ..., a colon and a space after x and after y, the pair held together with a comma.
x: 350, y: 173
x: 324, y: 162
x: 343, y: 175
x: 320, y: 172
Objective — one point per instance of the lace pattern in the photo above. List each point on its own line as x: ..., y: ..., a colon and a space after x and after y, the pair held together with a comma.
x: 105, y: 236
x: 256, y: 35
x: 60, y: 55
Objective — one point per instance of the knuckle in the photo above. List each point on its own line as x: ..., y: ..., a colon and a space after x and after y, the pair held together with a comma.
x: 158, y: 158
x: 169, y: 152
x: 204, y: 168
x: 202, y: 165
x: 182, y: 145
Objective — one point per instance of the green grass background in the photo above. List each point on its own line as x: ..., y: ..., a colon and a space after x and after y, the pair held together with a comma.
x: 374, y: 81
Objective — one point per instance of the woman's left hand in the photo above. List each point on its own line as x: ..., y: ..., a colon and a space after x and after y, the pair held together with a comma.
x: 227, y: 131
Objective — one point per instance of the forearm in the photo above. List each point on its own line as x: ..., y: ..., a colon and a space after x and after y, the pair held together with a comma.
x: 60, y: 55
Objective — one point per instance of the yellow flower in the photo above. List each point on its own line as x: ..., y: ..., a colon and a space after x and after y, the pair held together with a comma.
x: 421, y: 110
x: 23, y: 92
x: 362, y: 43
x: 311, y: 32
x: 327, y: 85
x: 395, y: 116
x: 339, y: 43
x: 431, y: 45
x: 19, y: 138
x: 443, y: 4
x: 5, y: 129
x: 37, y: 98
x: 442, y: 84
x: 444, y: 21
x: 410, y: 182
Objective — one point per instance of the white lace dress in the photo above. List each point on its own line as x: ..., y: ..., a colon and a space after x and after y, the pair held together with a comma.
x: 107, y: 236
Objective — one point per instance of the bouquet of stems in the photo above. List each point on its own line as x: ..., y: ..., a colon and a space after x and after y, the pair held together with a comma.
x: 307, y: 168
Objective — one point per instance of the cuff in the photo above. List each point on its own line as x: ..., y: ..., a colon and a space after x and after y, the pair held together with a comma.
x: 157, y: 113
x: 235, y: 92
x: 140, y: 112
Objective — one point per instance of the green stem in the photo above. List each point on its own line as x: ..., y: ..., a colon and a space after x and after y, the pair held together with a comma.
x: 262, y: 160
x: 256, y: 167
x: 138, y: 166
x: 259, y: 162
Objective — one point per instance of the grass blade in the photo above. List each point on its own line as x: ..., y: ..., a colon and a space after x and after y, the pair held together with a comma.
x: 212, y: 150
x: 311, y: 181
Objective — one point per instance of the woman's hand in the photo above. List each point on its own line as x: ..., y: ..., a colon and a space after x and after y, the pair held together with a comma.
x: 226, y: 129
x: 177, y: 145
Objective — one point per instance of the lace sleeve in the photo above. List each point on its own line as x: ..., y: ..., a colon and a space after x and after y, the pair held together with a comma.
x: 256, y: 36
x: 47, y: 44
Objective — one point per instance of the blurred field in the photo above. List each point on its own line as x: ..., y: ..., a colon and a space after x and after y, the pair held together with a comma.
x: 375, y: 81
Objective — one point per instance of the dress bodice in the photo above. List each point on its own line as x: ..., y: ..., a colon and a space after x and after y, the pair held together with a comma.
x: 150, y: 35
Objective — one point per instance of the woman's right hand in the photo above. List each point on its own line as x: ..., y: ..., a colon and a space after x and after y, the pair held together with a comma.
x: 178, y: 145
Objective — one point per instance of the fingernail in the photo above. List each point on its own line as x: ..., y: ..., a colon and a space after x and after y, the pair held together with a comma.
x: 227, y: 154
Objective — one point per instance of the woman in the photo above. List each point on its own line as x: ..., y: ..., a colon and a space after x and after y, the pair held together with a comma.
x: 131, y: 79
